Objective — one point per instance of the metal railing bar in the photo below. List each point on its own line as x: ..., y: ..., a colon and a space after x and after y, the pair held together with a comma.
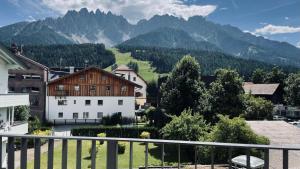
x: 37, y: 153
x: 64, y: 154
x: 146, y: 155
x: 131, y: 155
x: 162, y: 156
x: 178, y: 156
x: 212, y: 157
x: 159, y: 141
x: 93, y: 155
x: 229, y: 158
x: 11, y: 153
x: 285, y: 160
x: 50, y: 153
x: 248, y: 159
x: 266, y: 159
x: 1, y: 151
x: 196, y: 160
x: 78, y: 154
x: 23, y: 154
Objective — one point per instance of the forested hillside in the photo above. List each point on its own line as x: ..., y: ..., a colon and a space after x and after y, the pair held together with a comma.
x: 163, y: 59
x: 70, y: 55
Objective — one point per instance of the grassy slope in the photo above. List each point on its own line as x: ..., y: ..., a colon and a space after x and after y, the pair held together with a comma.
x: 123, y: 159
x: 145, y: 69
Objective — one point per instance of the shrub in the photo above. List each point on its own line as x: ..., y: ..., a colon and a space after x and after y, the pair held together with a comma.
x: 116, y: 118
x: 145, y: 135
x: 234, y: 130
x: 33, y: 124
x: 115, y: 131
x: 39, y: 133
x: 22, y: 113
x: 121, y: 147
x: 101, y: 135
x: 257, y: 108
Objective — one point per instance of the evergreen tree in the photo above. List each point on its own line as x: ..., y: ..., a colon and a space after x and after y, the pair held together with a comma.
x: 183, y: 88
x: 134, y: 66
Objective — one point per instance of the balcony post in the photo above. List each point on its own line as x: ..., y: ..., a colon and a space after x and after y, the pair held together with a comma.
x: 12, y: 115
x: 112, y: 155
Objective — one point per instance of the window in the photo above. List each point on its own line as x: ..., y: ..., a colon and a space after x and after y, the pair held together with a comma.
x: 107, y: 90
x: 87, y: 102
x: 11, y: 89
x: 74, y: 101
x: 82, y: 77
x: 12, y: 76
x: 75, y: 115
x: 62, y: 102
x: 123, y: 90
x: 104, y: 77
x: 100, y: 102
x: 35, y: 77
x: 76, y: 88
x: 34, y: 101
x: 120, y: 102
x: 35, y: 89
x: 60, y: 87
x: 99, y: 115
x: 60, y: 115
x: 134, y: 78
x: 85, y: 115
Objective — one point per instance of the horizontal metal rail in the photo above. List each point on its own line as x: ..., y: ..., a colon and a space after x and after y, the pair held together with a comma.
x: 112, y: 150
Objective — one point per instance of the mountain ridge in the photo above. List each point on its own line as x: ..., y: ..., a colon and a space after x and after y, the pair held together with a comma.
x: 98, y: 27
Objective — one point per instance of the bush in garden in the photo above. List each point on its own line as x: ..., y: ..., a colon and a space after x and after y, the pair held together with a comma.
x: 145, y: 135
x: 121, y: 147
x: 234, y: 130
x: 101, y: 135
x: 115, y: 131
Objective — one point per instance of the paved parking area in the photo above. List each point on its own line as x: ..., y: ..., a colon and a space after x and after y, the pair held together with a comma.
x: 279, y: 133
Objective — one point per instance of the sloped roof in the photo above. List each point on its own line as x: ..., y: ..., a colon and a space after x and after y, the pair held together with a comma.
x: 9, y: 57
x: 260, y: 89
x: 126, y: 68
x: 26, y: 59
x: 123, y: 67
x: 89, y: 68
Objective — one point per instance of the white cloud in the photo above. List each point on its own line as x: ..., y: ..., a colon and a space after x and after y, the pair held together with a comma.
x: 273, y: 29
x: 133, y: 10
x: 286, y: 18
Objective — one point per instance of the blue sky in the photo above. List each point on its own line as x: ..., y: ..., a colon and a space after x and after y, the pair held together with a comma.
x: 273, y: 19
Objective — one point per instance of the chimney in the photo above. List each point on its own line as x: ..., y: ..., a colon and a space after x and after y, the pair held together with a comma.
x: 72, y: 68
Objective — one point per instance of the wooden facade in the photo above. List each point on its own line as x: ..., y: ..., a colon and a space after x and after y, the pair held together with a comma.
x: 91, y: 82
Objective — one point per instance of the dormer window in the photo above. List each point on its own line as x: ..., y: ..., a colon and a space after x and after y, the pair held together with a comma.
x: 60, y: 87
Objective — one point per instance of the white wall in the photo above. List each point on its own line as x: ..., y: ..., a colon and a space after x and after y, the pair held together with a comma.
x: 110, y: 106
x: 140, y: 100
x: 3, y: 77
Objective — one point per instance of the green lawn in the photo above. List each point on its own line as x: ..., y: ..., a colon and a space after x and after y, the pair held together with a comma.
x: 145, y: 69
x: 123, y: 159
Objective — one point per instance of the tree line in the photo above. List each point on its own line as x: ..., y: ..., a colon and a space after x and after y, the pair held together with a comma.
x: 77, y: 55
x: 163, y: 59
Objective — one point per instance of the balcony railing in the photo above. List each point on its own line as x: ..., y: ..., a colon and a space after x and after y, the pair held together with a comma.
x: 112, y: 149
x: 14, y: 99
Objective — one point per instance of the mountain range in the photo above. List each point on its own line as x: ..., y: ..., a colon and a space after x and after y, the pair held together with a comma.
x: 162, y: 31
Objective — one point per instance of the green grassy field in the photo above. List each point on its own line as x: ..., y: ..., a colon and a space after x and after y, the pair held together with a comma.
x: 123, y: 159
x: 145, y: 69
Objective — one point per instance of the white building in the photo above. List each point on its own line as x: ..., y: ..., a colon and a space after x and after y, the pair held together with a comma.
x: 129, y: 74
x: 9, y: 101
x: 87, y: 95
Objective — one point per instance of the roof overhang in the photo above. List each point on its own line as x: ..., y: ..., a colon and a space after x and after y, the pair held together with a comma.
x: 10, y: 59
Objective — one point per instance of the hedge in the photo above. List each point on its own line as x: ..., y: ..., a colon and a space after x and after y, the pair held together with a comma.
x: 115, y: 131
